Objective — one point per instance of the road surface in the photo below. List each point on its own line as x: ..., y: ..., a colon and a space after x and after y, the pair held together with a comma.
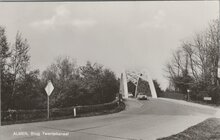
x: 141, y: 120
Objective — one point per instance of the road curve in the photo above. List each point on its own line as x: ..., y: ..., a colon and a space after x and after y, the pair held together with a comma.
x: 141, y: 120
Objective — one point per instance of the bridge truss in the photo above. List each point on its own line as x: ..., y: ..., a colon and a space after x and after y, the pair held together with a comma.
x: 134, y: 76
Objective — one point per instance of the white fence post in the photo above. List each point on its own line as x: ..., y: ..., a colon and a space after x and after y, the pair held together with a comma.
x: 74, y: 112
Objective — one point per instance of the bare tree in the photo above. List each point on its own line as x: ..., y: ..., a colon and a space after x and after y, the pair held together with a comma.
x: 19, y: 61
x: 197, y: 59
x: 213, y: 45
x: 4, y: 49
x: 188, y: 49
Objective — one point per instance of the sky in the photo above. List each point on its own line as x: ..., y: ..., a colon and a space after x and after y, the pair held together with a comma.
x: 118, y: 35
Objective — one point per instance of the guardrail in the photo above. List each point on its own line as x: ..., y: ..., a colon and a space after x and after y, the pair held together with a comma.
x: 14, y: 116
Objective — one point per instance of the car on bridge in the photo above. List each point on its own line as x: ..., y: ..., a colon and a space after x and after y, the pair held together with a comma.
x: 141, y: 96
x: 130, y: 94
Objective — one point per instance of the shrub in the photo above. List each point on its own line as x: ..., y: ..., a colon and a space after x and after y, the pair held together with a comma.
x: 30, y: 115
x: 214, y: 92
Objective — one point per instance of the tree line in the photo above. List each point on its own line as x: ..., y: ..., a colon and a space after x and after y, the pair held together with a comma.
x: 194, y: 65
x: 23, y: 88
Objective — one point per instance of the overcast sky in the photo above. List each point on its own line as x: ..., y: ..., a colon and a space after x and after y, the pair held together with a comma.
x: 118, y: 35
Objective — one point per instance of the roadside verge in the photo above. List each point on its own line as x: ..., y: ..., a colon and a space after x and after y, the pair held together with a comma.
x: 29, y: 116
x: 206, y: 130
x: 189, y: 103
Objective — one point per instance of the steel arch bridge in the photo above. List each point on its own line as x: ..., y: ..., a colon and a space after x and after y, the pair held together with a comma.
x: 134, y: 76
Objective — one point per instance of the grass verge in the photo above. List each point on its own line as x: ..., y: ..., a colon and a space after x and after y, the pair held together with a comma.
x: 206, y: 130
x: 208, y: 103
x: 119, y: 108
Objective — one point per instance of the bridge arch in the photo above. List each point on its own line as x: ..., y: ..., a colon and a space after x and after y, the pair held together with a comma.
x: 134, y: 76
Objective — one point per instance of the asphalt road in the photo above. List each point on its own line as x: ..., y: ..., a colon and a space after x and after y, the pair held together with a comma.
x: 142, y: 120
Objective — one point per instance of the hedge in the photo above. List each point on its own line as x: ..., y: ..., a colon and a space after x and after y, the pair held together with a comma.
x: 173, y: 95
x: 14, y: 116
